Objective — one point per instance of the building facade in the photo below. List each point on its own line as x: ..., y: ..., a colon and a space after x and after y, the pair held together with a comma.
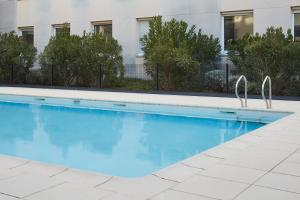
x: 127, y: 20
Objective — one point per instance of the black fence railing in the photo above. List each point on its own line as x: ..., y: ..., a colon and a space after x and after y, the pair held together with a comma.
x: 214, y: 78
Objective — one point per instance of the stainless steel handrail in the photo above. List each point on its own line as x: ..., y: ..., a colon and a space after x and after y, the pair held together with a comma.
x: 246, y: 91
x: 268, y: 102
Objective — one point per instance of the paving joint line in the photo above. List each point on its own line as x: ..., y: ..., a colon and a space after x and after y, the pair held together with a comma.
x: 187, y: 165
x: 45, y: 189
x: 21, y: 165
x: 106, y: 181
x: 165, y: 178
x: 58, y: 173
x: 269, y: 171
x: 9, y: 195
x: 199, y: 195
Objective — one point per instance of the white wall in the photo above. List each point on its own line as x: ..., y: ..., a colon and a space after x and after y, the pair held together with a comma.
x: 43, y: 13
x: 266, y: 13
x: 8, y: 18
x: 204, y: 13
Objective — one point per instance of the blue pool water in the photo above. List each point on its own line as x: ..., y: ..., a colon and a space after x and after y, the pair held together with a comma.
x: 116, y: 142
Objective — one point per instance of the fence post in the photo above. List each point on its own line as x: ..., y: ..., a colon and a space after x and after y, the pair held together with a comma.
x: 12, y: 74
x: 100, y: 76
x: 157, y: 77
x: 227, y: 78
x: 52, y: 74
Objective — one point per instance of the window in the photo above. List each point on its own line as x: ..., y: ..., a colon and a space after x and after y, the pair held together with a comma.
x: 58, y: 28
x: 27, y: 34
x: 236, y: 26
x: 104, y: 27
x: 143, y: 29
x: 297, y: 27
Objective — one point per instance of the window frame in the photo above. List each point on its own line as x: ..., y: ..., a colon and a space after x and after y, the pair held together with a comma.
x: 60, y: 26
x: 102, y: 23
x: 139, y: 51
x: 295, y: 11
x: 26, y: 29
x: 232, y: 14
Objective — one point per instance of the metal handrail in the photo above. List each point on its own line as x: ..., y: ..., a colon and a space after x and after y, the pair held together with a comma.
x: 246, y: 91
x: 268, y: 102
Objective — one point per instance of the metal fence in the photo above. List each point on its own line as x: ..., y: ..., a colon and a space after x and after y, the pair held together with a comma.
x: 136, y: 71
x: 217, y: 77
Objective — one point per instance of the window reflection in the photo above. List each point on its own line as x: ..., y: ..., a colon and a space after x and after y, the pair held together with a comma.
x: 235, y: 27
x: 297, y: 27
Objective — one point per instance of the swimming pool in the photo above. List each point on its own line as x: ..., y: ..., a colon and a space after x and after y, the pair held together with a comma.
x: 116, y: 138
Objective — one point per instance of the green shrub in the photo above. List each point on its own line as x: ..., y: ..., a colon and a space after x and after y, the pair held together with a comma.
x: 137, y: 84
x: 63, y: 54
x: 178, y: 51
x: 101, y: 52
x: 273, y: 53
x: 77, y: 60
x: 17, y: 53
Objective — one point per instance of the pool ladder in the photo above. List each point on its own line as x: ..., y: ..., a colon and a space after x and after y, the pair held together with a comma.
x: 268, y: 101
x: 244, y: 103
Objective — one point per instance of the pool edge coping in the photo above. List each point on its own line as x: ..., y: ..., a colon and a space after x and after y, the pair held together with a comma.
x: 267, y: 128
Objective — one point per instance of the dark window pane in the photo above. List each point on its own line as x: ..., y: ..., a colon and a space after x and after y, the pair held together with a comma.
x: 104, y: 28
x: 235, y: 27
x: 60, y: 30
x: 28, y: 36
x: 297, y: 27
x: 228, y: 30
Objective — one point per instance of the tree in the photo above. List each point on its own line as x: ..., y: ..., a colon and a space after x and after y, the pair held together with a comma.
x: 100, y: 58
x: 273, y: 53
x: 15, y: 54
x: 62, y: 54
x: 178, y: 51
x: 79, y: 60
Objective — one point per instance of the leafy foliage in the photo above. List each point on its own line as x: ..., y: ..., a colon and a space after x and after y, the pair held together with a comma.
x: 178, y: 51
x: 100, y: 52
x: 16, y: 52
x: 273, y: 53
x: 78, y: 60
x: 63, y: 54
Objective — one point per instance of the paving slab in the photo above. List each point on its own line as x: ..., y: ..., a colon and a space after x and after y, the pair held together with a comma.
x: 139, y: 187
x: 28, y: 184
x: 69, y: 191
x: 237, y: 144
x: 281, y: 182
x: 178, y: 172
x: 276, y: 145
x: 177, y: 195
x: 233, y: 173
x: 7, y: 162
x: 221, y: 152
x: 39, y: 168
x: 82, y: 177
x: 257, y: 158
x: 211, y: 187
x: 8, y: 173
x: 261, y: 193
x: 123, y: 197
x: 290, y: 168
x: 294, y: 158
x: 202, y: 161
x: 5, y: 197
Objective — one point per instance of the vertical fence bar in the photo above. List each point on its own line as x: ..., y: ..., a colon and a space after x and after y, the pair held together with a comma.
x: 52, y: 74
x: 100, y: 76
x: 227, y: 78
x: 12, y: 74
x: 157, y: 77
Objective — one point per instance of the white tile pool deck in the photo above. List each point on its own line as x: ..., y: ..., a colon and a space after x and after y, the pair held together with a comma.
x: 261, y: 165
